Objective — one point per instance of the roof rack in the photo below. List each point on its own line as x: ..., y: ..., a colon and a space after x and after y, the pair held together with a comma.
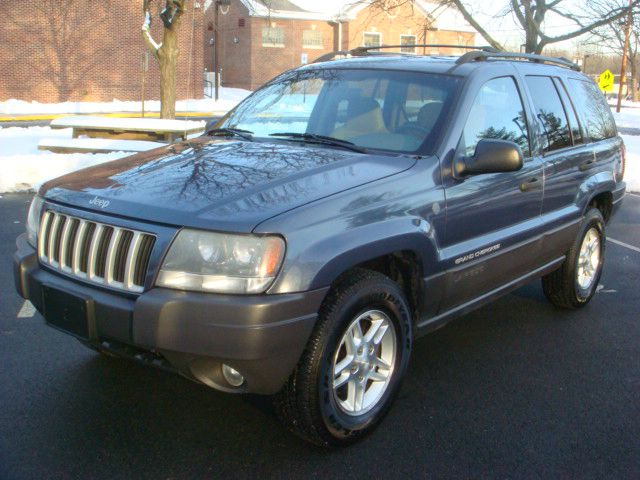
x: 375, y: 50
x: 478, y: 55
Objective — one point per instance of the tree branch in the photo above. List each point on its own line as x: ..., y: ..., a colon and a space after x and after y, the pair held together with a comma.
x: 469, y: 18
x: 154, y: 46
x: 516, y: 10
x: 587, y: 28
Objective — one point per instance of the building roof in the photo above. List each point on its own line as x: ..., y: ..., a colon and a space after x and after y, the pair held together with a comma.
x: 445, y: 17
x: 280, y: 5
x: 283, y: 9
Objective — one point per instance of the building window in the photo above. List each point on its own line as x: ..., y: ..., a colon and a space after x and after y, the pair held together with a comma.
x: 312, y: 39
x: 272, y: 37
x: 372, y: 39
x: 408, y: 40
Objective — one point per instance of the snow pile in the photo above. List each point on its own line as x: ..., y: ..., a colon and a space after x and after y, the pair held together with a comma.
x: 229, y: 98
x: 23, y: 167
x: 628, y: 117
x: 632, y: 167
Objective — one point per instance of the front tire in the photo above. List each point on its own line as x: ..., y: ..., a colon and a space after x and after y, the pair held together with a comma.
x: 353, y: 365
x: 575, y: 282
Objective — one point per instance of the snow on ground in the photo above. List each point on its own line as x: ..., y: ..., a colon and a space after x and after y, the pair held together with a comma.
x: 629, y: 116
x: 23, y: 167
x: 632, y: 167
x: 229, y: 97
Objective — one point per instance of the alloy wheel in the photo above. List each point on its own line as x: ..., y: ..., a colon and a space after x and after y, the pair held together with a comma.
x: 364, y: 362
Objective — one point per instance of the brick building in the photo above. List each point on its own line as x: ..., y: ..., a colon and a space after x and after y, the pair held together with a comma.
x: 91, y: 50
x: 259, y: 39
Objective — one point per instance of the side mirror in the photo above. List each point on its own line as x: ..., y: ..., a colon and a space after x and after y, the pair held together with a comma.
x: 492, y: 156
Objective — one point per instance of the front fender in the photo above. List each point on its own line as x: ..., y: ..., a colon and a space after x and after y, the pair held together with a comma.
x: 324, y: 239
x: 371, y: 241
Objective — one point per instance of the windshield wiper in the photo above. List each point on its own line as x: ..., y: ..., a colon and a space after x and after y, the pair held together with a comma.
x: 228, y: 131
x: 321, y: 139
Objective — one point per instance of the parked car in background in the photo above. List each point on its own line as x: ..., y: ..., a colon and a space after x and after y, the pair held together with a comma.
x: 301, y: 246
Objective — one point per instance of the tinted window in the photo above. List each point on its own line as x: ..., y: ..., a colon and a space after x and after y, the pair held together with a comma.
x: 574, y: 124
x: 550, y: 113
x: 593, y: 109
x: 497, y: 113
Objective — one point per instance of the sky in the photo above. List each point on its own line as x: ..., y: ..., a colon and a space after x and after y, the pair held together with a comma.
x: 498, y: 20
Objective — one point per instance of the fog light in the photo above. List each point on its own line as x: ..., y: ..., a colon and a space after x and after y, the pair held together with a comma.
x: 232, y: 376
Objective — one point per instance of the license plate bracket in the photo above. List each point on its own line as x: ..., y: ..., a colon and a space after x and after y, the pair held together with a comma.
x: 67, y: 312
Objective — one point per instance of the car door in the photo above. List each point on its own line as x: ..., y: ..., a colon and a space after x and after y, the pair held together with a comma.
x: 567, y: 160
x: 492, y: 219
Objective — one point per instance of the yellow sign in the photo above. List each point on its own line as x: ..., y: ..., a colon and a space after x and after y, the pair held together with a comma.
x: 606, y: 81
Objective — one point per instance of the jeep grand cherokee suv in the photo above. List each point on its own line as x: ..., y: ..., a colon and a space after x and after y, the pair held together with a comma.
x: 347, y: 207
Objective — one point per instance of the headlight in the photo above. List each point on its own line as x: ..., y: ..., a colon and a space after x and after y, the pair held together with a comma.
x: 219, y: 262
x: 33, y: 221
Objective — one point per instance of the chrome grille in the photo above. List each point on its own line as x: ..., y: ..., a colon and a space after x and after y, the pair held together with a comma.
x: 95, y: 252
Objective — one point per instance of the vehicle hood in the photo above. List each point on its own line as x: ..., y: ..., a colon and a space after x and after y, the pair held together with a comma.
x: 219, y: 183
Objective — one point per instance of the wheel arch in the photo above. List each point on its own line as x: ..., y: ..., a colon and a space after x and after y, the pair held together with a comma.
x: 603, y: 201
x: 405, y: 258
x: 404, y: 268
x: 597, y: 191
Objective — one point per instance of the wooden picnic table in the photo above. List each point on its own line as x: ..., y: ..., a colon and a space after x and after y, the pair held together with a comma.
x: 154, y: 129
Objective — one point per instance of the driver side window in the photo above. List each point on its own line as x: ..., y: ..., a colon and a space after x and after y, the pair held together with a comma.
x: 497, y: 113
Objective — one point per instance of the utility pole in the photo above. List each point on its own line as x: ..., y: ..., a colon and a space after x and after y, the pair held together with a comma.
x: 623, y: 67
x: 424, y: 36
x: 584, y: 63
x: 216, y: 66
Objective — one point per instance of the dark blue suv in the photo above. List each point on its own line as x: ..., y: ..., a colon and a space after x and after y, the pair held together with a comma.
x: 339, y: 212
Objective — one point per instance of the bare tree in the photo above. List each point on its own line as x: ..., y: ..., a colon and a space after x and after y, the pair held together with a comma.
x: 530, y: 15
x: 68, y: 48
x: 166, y: 52
x: 610, y: 38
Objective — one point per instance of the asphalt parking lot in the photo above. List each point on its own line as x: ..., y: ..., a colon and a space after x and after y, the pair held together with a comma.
x: 516, y: 389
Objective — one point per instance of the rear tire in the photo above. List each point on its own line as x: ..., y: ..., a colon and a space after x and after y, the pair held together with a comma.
x: 352, y: 367
x: 575, y: 282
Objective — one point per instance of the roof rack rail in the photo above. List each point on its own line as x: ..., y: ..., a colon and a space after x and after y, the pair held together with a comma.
x: 331, y: 55
x: 479, y: 55
x: 375, y: 50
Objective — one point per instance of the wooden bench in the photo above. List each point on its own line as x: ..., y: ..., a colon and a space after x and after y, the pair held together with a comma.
x: 95, y: 145
x: 153, y: 129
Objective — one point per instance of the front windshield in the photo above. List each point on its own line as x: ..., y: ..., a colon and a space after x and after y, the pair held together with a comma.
x: 388, y: 110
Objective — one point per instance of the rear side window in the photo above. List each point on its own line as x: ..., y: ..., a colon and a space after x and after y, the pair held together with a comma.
x: 574, y: 124
x: 497, y: 113
x: 593, y: 109
x: 550, y: 113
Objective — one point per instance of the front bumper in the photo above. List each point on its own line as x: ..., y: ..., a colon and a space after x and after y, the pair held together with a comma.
x: 261, y: 336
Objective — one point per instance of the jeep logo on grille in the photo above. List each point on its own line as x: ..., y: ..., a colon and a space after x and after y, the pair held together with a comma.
x: 99, y: 202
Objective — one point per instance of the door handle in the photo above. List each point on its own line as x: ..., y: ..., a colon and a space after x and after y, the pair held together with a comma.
x: 532, y: 184
x: 587, y: 165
